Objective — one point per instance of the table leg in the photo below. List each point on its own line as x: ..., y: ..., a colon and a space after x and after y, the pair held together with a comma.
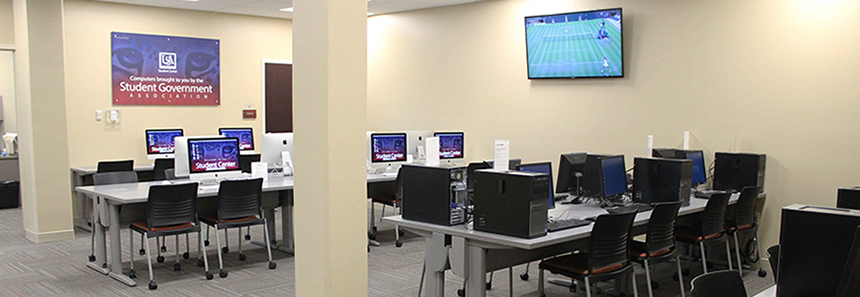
x: 80, y: 219
x: 100, y: 264
x: 288, y: 241
x: 476, y: 282
x: 116, y: 247
x: 435, y: 257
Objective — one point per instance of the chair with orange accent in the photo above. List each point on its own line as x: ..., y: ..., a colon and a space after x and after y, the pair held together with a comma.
x: 238, y: 206
x: 170, y: 210
x: 660, y: 242
x: 719, y: 284
x: 710, y: 231
x: 743, y: 223
x: 607, y: 257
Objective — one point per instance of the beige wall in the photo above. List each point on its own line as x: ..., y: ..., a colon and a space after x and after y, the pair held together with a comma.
x: 7, y: 28
x: 245, y: 42
x: 779, y: 76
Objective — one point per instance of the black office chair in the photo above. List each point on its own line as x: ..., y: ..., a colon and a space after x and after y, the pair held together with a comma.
x: 246, y: 160
x: 744, y: 223
x: 114, y: 166
x: 773, y: 258
x: 660, y: 242
x: 710, y: 231
x: 393, y: 200
x: 238, y: 206
x: 719, y: 284
x: 607, y: 256
x: 170, y: 210
x: 160, y: 166
x: 108, y: 178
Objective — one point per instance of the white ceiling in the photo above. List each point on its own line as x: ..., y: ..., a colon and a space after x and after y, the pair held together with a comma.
x: 271, y: 8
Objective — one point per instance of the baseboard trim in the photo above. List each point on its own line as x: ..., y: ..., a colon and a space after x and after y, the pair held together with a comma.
x: 49, y: 236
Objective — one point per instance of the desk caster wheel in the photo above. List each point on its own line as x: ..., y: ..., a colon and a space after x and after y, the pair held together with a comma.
x: 398, y: 243
x: 206, y: 243
x: 92, y: 258
x: 762, y: 273
x: 273, y: 265
x: 200, y: 263
x: 222, y: 273
x: 209, y: 275
x: 185, y: 255
x: 242, y: 257
x: 371, y: 236
x: 247, y: 236
x: 489, y: 286
x: 104, y: 265
x: 374, y: 229
x: 572, y: 288
x: 177, y: 267
x: 159, y: 259
x: 142, y: 252
x: 461, y: 292
x: 225, y: 250
x: 132, y: 274
x: 401, y: 233
x: 655, y: 285
x: 163, y: 249
x: 524, y: 276
x: 153, y: 285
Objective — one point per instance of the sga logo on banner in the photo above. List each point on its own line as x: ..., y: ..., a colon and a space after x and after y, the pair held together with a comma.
x: 165, y: 70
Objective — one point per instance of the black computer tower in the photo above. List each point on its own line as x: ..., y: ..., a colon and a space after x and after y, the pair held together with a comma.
x: 434, y: 194
x: 734, y: 171
x: 814, y: 247
x: 665, y: 153
x: 848, y: 198
x: 662, y: 180
x: 511, y: 203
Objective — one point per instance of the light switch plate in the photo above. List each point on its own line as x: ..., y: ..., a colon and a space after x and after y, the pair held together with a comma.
x: 98, y: 115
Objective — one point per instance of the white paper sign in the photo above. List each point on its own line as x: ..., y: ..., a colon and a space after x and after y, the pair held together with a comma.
x: 431, y: 147
x: 650, y: 145
x: 502, y: 155
x: 287, y: 163
x: 259, y: 169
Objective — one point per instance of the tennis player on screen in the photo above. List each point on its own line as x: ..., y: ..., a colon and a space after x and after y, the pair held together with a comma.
x: 605, y: 65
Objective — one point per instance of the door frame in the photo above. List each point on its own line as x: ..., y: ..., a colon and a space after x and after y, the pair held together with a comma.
x: 263, y: 80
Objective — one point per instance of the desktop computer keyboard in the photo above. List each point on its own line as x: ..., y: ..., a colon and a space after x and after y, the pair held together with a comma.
x: 557, y: 225
x: 629, y: 208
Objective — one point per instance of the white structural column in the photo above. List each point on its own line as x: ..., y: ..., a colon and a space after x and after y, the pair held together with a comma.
x: 330, y: 103
x: 42, y: 134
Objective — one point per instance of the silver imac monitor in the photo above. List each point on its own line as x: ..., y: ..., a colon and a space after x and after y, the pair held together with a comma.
x: 273, y: 144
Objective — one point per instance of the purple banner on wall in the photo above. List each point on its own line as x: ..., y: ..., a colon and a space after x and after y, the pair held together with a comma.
x: 165, y: 70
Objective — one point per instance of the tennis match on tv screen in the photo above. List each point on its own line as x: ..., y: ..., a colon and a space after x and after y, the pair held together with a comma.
x: 578, y: 44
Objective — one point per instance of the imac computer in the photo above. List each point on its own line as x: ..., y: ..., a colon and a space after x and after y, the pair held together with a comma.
x: 415, y: 143
x: 571, y: 168
x: 387, y: 150
x: 605, y: 176
x: 245, y: 135
x: 213, y: 158
x: 180, y: 162
x: 274, y: 146
x: 451, y: 145
x: 543, y: 167
x: 160, y: 143
x: 657, y: 180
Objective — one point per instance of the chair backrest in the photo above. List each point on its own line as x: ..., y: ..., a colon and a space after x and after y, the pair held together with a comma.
x: 114, y: 166
x: 160, y: 166
x: 773, y: 258
x: 661, y: 226
x: 171, y: 205
x: 609, y: 240
x: 725, y: 283
x: 239, y: 198
x: 170, y: 174
x: 713, y: 218
x: 246, y: 160
x: 118, y: 177
x: 745, y: 208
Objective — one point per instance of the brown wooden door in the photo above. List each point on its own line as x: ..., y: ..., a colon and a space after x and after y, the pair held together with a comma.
x: 279, y: 98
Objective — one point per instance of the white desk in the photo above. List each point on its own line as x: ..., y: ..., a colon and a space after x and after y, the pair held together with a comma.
x: 107, y: 200
x: 79, y: 178
x: 769, y: 292
x: 474, y: 253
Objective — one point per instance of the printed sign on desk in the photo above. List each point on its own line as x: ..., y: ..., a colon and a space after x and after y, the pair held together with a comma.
x: 165, y: 70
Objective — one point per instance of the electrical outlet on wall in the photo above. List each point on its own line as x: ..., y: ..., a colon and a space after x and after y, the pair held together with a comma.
x: 98, y: 115
x: 113, y: 116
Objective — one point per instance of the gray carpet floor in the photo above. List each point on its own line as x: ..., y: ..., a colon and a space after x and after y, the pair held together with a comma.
x: 59, y: 269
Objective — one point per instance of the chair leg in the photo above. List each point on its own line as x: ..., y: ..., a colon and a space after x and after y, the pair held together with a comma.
x: 157, y: 246
x: 587, y: 287
x: 704, y: 258
x: 738, y: 252
x: 226, y: 241
x: 187, y: 247
x: 372, y: 218
x: 200, y: 250
x: 421, y: 281
x: 131, y: 272
x: 729, y: 254
x: 149, y: 261
x: 241, y: 256
x: 647, y: 279
x: 680, y: 275
x: 511, y: 281
x: 221, y: 272
x: 272, y: 264
x: 540, y: 282
x: 176, y: 266
x: 635, y: 287
x: 207, y: 234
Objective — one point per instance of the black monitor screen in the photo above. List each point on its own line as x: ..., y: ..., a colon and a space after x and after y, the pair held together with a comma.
x: 541, y: 168
x: 699, y: 175
x: 614, y: 176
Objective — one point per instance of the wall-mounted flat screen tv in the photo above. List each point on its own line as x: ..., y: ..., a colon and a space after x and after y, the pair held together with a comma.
x: 575, y: 44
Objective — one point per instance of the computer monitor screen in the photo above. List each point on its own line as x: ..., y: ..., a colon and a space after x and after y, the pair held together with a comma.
x: 614, y: 176
x: 699, y: 175
x: 245, y: 136
x: 213, y: 154
x: 450, y: 145
x: 161, y: 141
x: 545, y: 167
x: 568, y: 167
x: 388, y: 147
